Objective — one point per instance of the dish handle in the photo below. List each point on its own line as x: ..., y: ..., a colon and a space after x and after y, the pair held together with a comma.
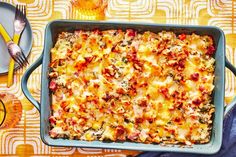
x: 230, y: 106
x: 24, y: 81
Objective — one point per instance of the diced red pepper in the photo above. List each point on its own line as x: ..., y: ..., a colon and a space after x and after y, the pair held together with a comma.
x: 182, y: 36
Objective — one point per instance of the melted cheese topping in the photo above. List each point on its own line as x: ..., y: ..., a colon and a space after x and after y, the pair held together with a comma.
x: 142, y: 87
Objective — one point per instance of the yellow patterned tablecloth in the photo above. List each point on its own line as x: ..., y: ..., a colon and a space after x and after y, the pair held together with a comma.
x: 24, y: 139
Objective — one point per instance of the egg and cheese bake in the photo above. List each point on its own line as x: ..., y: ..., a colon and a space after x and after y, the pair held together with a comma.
x: 117, y: 85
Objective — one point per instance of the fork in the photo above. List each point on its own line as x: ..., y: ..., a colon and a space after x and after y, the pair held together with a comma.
x: 13, y: 49
x: 19, y: 26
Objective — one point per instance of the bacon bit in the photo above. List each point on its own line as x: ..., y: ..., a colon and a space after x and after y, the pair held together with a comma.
x: 53, y: 134
x: 197, y: 101
x: 138, y: 66
x: 97, y: 31
x: 61, y: 62
x: 180, y: 65
x: 165, y: 92
x: 82, y: 107
x: 53, y: 74
x: 93, y: 41
x: 201, y: 88
x: 84, y: 36
x: 132, y: 56
x: 69, y: 52
x: 73, y: 122
x: 132, y: 91
x: 63, y: 105
x: 175, y: 94
x: 120, y: 91
x: 112, y: 104
x: 89, y: 59
x: 120, y: 133
x: 133, y: 136
x: 178, y: 104
x: 107, y: 97
x: 161, y: 46
x: 53, y: 63
x: 86, y: 81
x: 150, y: 120
x: 139, y: 120
x: 193, y: 117
x: 52, y: 85
x: 171, y: 131
x: 70, y: 92
x: 145, y: 84
x: 194, y: 76
x: 120, y: 130
x: 80, y: 66
x: 96, y: 85
x: 130, y: 32
x: 210, y: 50
x: 82, y: 121
x: 52, y: 120
x: 127, y: 103
x: 115, y: 48
x: 143, y: 103
x: 177, y: 119
x: 182, y: 36
x: 108, y: 72
x: 171, y: 108
x: 109, y: 42
x: 186, y: 52
x: 77, y: 46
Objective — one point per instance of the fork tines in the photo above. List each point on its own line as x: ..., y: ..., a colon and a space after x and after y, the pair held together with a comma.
x: 20, y: 13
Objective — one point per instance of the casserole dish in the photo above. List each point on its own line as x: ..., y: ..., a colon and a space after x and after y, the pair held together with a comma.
x: 56, y: 27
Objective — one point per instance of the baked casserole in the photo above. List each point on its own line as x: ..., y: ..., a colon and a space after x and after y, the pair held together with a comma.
x: 116, y: 85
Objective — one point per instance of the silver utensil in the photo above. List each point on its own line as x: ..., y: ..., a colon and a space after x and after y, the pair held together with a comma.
x: 19, y: 26
x: 13, y: 49
x: 16, y: 53
x: 20, y: 19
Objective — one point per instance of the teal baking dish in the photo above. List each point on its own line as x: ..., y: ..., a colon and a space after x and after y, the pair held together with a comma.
x: 55, y: 27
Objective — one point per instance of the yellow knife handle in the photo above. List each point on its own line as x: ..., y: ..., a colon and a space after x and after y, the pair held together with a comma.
x: 4, y: 33
x: 10, y: 81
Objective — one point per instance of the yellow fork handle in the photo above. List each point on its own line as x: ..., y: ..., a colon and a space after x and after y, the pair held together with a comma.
x: 4, y: 33
x: 10, y: 81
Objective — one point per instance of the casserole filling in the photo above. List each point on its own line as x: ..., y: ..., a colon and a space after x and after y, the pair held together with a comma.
x: 128, y: 86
